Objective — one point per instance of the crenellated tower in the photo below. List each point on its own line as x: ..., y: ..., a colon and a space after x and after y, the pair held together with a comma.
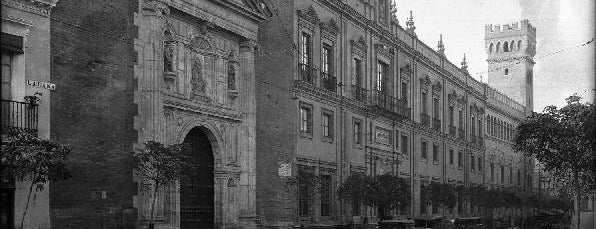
x: 511, y: 48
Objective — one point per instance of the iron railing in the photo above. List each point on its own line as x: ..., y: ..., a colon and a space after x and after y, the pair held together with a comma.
x: 402, y: 108
x: 358, y: 93
x: 425, y: 119
x: 436, y: 124
x: 307, y: 73
x: 328, y: 81
x: 382, y: 100
x: 19, y: 114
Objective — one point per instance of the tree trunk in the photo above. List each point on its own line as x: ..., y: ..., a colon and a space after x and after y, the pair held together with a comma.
x: 27, y: 204
x: 153, y: 203
x: 577, y: 198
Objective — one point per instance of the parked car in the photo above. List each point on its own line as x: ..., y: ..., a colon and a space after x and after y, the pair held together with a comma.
x: 469, y: 223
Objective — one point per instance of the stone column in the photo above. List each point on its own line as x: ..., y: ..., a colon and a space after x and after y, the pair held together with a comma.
x: 150, y: 120
x: 247, y: 191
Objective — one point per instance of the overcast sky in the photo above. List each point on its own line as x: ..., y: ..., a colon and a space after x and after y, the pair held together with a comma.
x: 560, y: 24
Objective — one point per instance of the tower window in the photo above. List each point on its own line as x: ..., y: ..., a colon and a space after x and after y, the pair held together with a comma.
x: 518, y: 45
x: 511, y: 46
x: 507, y: 71
x: 498, y: 47
x: 505, y: 47
x: 490, y: 48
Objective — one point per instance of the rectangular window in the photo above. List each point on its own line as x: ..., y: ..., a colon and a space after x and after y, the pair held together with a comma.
x: 510, y: 176
x: 327, y: 122
x: 502, y: 174
x: 306, y: 119
x: 492, y: 172
x: 423, y: 149
x: 435, y: 153
x: 480, y: 127
x: 461, y: 119
x: 473, y: 163
x: 436, y: 108
x: 305, y: 49
x: 325, y: 195
x: 404, y: 92
x: 473, y: 127
x: 304, y: 189
x: 7, y: 69
x: 423, y: 103
x: 480, y: 163
x: 460, y: 160
x: 357, y: 73
x: 357, y: 131
x: 327, y: 62
x: 404, y: 145
x: 451, y: 115
x: 451, y: 157
x: 381, y: 76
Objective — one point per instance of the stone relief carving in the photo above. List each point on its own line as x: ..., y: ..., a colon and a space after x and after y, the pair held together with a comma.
x: 199, y: 85
x: 232, y: 65
x: 168, y: 52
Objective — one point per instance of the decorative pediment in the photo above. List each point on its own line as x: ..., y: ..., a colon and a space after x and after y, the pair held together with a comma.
x: 330, y: 27
x: 437, y: 87
x: 452, y: 98
x: 384, y: 50
x: 359, y: 46
x: 425, y: 82
x: 310, y: 15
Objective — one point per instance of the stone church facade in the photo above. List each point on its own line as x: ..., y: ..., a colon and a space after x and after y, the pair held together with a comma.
x: 195, y: 73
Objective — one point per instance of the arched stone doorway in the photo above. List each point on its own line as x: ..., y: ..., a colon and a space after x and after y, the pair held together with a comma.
x: 197, y: 193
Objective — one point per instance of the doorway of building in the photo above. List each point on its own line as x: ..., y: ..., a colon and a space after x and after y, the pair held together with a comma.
x: 197, y: 192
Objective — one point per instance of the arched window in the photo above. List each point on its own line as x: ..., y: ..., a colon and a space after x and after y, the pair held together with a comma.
x: 490, y: 48
x: 505, y: 47
x: 518, y: 45
x: 511, y: 46
x: 498, y: 47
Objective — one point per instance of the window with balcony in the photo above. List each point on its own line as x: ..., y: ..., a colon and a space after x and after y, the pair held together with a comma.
x: 424, y: 150
x: 327, y: 125
x: 381, y: 76
x: 480, y: 163
x: 358, y: 92
x: 328, y: 80
x: 473, y: 128
x: 424, y: 117
x: 451, y: 157
x: 492, y: 172
x: 357, y: 128
x: 451, y: 124
x: 404, y: 92
x: 435, y: 153
x: 306, y: 70
x: 305, y: 120
x: 436, y: 114
x: 6, y: 75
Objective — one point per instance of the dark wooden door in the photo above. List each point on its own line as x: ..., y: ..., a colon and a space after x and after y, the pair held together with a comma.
x: 196, y: 193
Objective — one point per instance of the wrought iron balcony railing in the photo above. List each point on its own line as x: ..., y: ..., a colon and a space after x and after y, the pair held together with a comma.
x: 307, y: 73
x: 425, y: 119
x: 382, y: 100
x: 328, y: 81
x: 402, y: 108
x: 19, y: 114
x: 358, y: 93
x: 452, y: 130
x: 436, y: 124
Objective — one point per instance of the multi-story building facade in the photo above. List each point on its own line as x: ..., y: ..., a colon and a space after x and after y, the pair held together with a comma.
x: 343, y: 89
x: 26, y: 94
x: 127, y: 72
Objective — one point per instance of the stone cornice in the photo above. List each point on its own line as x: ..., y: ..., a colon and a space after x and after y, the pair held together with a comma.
x: 513, y: 58
x: 39, y: 7
x: 218, y: 112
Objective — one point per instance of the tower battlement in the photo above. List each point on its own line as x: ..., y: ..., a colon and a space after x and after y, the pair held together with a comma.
x: 506, y: 30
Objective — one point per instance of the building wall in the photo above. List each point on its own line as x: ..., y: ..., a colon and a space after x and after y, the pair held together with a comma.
x: 31, y: 21
x: 360, y: 33
x: 92, y: 109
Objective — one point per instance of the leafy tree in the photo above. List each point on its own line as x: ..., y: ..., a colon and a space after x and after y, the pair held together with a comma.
x: 562, y: 141
x: 443, y: 194
x: 25, y: 156
x: 162, y: 165
x: 385, y: 191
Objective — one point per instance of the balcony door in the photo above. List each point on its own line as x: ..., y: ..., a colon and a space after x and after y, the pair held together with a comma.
x: 6, y: 75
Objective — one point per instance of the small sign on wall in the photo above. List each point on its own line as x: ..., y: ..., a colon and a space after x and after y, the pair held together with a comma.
x: 285, y: 170
x: 44, y: 85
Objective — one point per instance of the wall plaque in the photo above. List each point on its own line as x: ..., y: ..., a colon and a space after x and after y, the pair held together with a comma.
x: 285, y: 170
x: 382, y: 136
x: 44, y: 85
